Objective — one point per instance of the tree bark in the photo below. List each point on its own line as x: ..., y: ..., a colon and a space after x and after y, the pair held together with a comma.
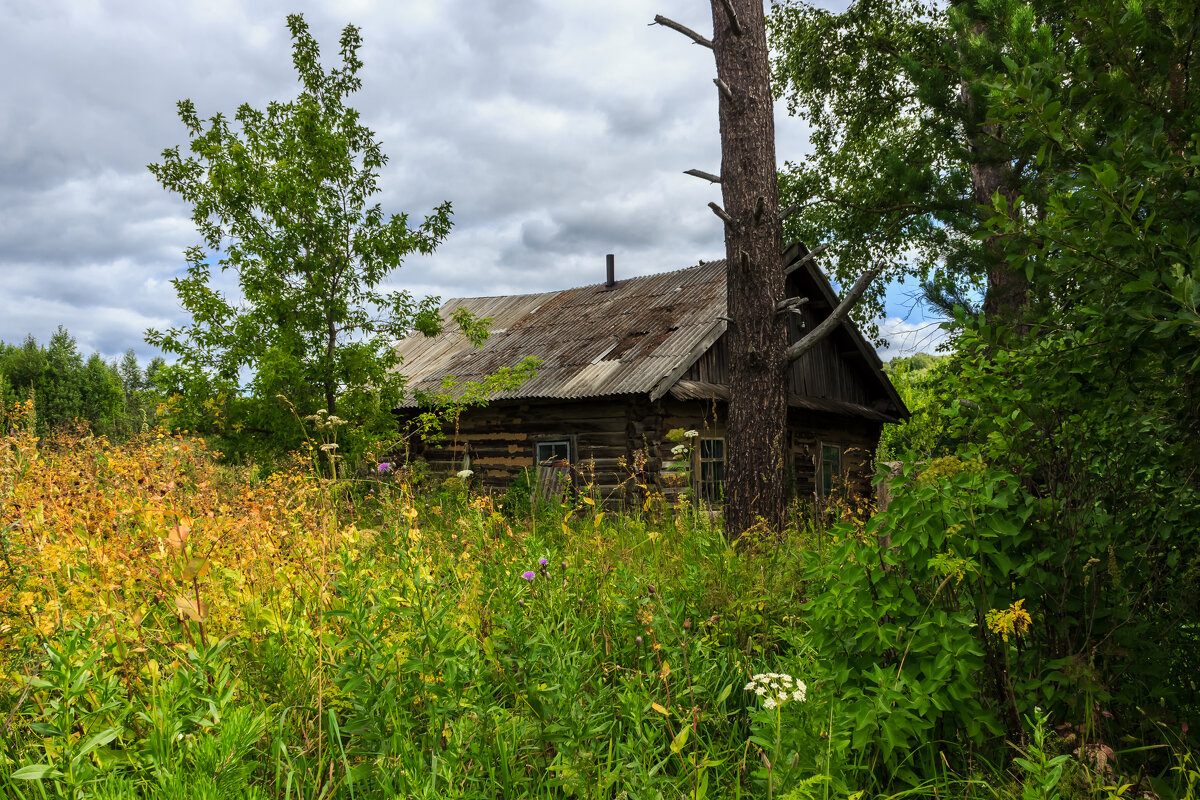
x: 991, y: 173
x: 756, y: 337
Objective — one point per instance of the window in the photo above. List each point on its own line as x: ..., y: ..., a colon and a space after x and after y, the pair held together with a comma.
x: 831, y: 468
x: 553, y: 458
x: 710, y: 475
x: 551, y: 451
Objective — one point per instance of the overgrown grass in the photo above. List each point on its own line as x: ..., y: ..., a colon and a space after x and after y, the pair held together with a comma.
x: 175, y: 628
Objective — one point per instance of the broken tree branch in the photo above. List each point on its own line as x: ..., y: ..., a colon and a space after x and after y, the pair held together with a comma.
x: 723, y: 87
x: 816, y: 251
x: 791, y: 304
x: 720, y: 212
x: 686, y: 31
x: 699, y: 173
x: 835, y: 318
x: 734, y: 22
x: 792, y: 209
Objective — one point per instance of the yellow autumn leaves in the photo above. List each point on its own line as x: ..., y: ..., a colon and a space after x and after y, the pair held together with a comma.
x: 144, y: 536
x: 1012, y: 621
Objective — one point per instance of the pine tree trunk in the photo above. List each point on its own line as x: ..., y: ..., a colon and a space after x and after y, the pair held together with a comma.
x: 757, y: 340
x: 991, y: 172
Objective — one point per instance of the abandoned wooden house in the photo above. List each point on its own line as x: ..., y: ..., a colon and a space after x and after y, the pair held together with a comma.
x: 625, y: 363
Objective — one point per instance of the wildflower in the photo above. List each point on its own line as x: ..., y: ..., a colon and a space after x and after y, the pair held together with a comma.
x: 463, y: 474
x: 384, y: 467
x: 543, y: 561
x: 678, y: 450
x: 777, y: 689
x: 691, y: 434
x: 638, y: 641
x: 529, y: 576
x: 329, y: 448
x: 564, y: 565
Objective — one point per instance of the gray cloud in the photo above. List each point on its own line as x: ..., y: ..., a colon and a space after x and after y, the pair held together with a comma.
x: 558, y: 130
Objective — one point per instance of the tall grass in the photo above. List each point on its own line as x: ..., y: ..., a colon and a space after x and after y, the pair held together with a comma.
x: 175, y: 628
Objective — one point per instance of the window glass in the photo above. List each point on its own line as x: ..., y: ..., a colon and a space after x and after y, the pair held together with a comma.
x: 831, y: 467
x: 553, y: 451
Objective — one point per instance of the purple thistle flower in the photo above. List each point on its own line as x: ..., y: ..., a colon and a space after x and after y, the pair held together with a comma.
x: 529, y: 576
x: 543, y: 561
x: 384, y: 467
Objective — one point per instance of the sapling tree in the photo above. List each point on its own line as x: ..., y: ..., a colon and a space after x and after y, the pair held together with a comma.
x: 281, y: 199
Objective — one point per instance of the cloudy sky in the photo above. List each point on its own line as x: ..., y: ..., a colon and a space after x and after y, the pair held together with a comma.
x: 558, y: 129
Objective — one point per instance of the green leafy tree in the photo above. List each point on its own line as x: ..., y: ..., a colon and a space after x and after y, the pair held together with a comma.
x: 101, y: 394
x: 132, y: 378
x: 1075, y: 497
x: 927, y: 384
x: 281, y: 200
x: 24, y: 368
x: 907, y: 153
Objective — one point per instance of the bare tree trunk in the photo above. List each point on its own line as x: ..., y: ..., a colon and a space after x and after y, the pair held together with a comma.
x: 757, y: 339
x: 757, y: 335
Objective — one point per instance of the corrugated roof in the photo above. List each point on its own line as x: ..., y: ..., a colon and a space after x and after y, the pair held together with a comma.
x: 592, y: 341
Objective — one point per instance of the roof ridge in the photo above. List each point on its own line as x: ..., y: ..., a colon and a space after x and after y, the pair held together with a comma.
x: 620, y: 282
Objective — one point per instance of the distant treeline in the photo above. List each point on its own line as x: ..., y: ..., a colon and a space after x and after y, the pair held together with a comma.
x: 117, y: 398
x: 927, y: 384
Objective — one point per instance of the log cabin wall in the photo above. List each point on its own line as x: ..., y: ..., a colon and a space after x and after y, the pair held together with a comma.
x: 620, y: 444
x: 857, y: 440
x: 613, y: 442
x: 821, y: 372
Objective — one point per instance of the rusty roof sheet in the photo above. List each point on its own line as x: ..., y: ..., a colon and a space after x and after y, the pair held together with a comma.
x: 592, y: 341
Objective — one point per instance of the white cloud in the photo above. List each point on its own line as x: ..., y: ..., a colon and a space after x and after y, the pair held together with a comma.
x: 906, y: 337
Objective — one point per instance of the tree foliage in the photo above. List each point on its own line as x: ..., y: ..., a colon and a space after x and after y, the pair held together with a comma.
x: 907, y: 152
x: 927, y: 384
x: 281, y: 199
x: 1075, y: 496
x: 67, y: 389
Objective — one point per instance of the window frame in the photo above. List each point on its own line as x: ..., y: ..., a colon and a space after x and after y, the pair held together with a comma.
x: 711, y: 490
x: 823, y: 474
x: 569, y: 441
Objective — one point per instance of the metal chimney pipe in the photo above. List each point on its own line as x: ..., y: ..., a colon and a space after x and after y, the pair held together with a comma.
x: 612, y: 271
